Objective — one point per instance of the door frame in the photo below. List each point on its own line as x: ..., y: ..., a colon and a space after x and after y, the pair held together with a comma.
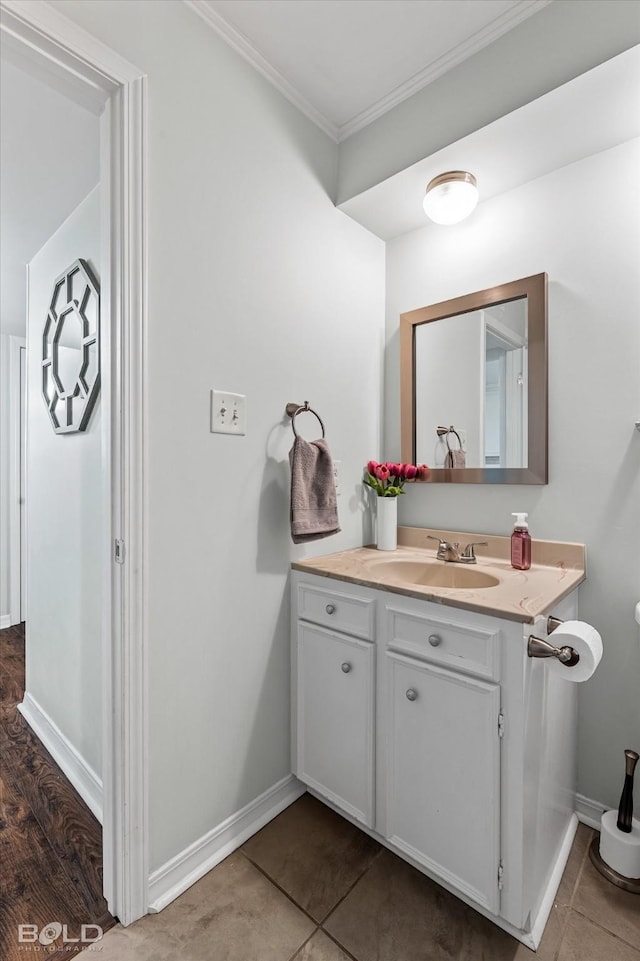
x: 98, y: 75
x: 16, y: 345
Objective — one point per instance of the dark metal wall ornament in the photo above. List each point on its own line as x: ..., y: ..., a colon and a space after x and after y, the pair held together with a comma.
x: 71, y: 349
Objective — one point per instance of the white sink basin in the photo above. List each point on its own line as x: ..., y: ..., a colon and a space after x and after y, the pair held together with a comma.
x: 433, y: 574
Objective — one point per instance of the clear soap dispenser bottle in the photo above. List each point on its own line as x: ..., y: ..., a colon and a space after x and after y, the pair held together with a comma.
x: 521, y: 543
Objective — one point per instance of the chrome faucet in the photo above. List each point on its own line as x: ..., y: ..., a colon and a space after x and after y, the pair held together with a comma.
x: 452, y: 554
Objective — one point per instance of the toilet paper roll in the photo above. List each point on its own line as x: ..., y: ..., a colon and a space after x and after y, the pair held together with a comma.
x: 584, y: 639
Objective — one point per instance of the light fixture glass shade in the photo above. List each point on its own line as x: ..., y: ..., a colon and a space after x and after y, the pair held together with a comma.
x: 451, y: 197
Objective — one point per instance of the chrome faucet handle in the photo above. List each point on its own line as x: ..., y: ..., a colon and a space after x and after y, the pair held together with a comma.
x: 446, y: 551
x: 431, y: 537
x: 468, y: 555
x: 444, y: 547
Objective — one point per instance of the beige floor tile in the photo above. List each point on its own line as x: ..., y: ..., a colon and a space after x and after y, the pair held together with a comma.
x: 135, y: 943
x: 609, y: 906
x: 313, y: 854
x: 320, y: 948
x: 584, y: 941
x: 395, y: 913
x: 551, y: 938
x: 554, y: 929
x: 575, y: 861
x: 232, y: 914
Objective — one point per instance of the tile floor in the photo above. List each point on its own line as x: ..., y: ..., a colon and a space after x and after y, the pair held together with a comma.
x: 312, y: 887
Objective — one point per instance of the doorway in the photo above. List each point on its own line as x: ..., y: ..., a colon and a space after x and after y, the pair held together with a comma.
x: 59, y: 50
x: 50, y: 657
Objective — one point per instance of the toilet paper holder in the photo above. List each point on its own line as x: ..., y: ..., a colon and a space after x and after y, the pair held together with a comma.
x: 536, y: 647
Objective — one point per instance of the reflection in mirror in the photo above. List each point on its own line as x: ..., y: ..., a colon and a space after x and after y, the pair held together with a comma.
x: 474, y: 385
x: 68, y: 355
x: 505, y: 385
x: 488, y: 406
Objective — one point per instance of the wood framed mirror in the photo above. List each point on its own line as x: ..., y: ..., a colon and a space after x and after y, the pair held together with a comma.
x: 475, y: 368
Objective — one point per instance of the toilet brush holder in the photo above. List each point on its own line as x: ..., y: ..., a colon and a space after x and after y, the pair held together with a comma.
x: 616, y: 853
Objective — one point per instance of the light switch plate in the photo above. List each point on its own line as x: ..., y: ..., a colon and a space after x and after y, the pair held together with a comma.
x: 228, y: 413
x: 337, y: 464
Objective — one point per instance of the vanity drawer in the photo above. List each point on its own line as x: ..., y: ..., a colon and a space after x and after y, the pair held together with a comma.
x: 339, y: 610
x: 451, y: 643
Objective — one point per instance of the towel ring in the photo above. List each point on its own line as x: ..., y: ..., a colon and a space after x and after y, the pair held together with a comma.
x: 452, y: 430
x: 445, y: 431
x: 294, y: 409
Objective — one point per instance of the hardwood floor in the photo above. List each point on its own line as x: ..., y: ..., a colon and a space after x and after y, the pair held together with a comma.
x: 50, y: 842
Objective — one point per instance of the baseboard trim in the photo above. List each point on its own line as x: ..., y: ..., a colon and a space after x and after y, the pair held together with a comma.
x: 187, y: 867
x: 5, y: 621
x: 541, y: 918
x: 589, y: 812
x: 82, y: 776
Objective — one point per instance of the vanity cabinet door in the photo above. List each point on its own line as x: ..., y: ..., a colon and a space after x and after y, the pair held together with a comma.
x: 443, y: 774
x: 334, y: 716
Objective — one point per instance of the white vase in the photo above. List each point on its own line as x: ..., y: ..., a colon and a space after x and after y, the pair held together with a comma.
x: 387, y: 523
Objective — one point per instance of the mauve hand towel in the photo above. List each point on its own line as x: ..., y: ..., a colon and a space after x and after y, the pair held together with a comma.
x: 314, y: 512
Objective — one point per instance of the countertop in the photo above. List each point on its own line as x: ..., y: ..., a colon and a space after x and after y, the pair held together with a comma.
x: 557, y: 568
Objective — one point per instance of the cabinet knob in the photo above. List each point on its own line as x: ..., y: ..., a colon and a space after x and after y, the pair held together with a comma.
x: 412, y: 695
x: 330, y: 609
x: 435, y: 640
x: 345, y: 667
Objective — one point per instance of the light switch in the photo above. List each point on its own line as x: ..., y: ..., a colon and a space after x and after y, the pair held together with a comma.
x: 337, y: 464
x: 228, y: 413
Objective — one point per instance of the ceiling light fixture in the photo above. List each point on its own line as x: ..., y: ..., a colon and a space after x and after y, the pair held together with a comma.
x: 451, y: 197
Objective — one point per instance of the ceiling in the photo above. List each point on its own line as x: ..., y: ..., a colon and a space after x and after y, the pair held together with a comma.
x: 49, y: 162
x: 595, y: 111
x: 346, y: 62
x: 316, y: 40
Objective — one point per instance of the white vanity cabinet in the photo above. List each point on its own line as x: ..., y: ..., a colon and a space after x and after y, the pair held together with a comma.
x: 441, y: 712
x: 334, y: 720
x: 443, y: 749
x: 430, y: 727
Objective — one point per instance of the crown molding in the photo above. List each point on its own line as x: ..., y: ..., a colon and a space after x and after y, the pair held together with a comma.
x: 245, y: 48
x: 462, y: 51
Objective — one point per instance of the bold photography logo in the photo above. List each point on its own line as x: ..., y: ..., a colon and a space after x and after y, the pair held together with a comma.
x: 32, y: 934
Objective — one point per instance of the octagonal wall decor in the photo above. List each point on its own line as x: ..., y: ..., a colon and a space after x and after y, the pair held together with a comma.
x: 71, y: 349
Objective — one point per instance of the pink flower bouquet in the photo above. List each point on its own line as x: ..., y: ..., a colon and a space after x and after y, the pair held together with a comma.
x: 388, y: 480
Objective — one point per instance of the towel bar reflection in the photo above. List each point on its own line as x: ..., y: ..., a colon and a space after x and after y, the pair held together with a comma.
x: 293, y: 410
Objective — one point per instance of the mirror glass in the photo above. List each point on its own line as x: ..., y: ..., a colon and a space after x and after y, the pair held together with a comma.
x: 474, y: 386
x: 488, y: 407
x: 67, y: 357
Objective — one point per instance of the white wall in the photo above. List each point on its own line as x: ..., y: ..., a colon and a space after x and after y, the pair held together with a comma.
x: 587, y: 238
x: 258, y: 285
x: 43, y: 174
x: 447, y: 390
x: 64, y: 520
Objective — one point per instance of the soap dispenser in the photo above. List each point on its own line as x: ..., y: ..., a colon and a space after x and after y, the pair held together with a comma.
x: 521, y: 543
